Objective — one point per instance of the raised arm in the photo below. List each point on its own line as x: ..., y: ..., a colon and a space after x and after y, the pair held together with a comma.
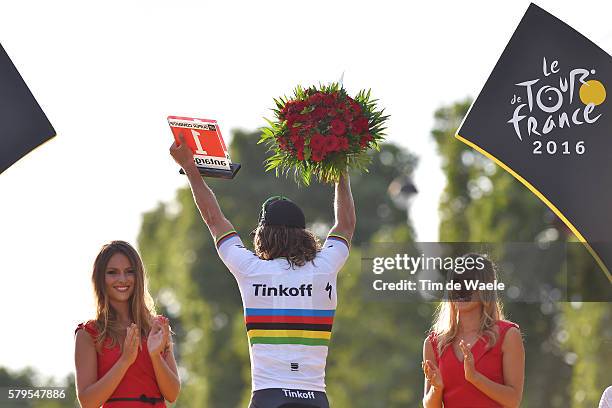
x: 202, y: 194
x: 344, y: 209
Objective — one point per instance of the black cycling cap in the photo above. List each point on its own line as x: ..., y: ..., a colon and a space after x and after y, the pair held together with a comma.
x: 279, y: 210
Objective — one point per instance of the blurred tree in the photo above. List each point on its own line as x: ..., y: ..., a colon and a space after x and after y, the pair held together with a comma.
x: 29, y: 379
x: 586, y: 331
x: 481, y: 202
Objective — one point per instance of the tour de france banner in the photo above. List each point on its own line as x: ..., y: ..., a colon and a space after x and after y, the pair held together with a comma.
x: 23, y: 124
x: 543, y: 116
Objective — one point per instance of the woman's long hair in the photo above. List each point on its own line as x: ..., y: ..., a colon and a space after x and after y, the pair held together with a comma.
x: 141, y: 307
x: 297, y: 245
x: 446, y: 322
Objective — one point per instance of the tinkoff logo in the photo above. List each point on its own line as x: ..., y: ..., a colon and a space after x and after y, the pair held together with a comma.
x: 261, y: 289
x: 299, y: 394
x: 556, y: 100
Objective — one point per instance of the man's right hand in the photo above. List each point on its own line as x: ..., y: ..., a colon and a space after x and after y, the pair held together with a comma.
x: 204, y: 197
x: 182, y: 154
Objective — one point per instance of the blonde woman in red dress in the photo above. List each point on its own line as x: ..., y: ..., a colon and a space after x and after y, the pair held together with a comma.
x: 124, y: 357
x: 473, y: 358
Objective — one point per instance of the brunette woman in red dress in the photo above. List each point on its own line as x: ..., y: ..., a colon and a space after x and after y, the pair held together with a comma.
x: 473, y: 358
x: 124, y: 357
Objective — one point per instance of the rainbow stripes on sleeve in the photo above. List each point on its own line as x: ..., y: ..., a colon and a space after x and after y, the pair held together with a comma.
x: 338, y: 237
x: 309, y: 327
x: 224, y: 237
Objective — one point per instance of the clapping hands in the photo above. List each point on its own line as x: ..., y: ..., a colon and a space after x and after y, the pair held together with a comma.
x: 131, y: 344
x: 432, y: 374
x: 469, y: 369
x: 159, y: 336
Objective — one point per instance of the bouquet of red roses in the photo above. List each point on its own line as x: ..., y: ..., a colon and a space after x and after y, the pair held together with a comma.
x: 322, y: 131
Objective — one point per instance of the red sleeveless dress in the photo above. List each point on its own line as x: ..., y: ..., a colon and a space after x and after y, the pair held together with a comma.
x: 139, y: 379
x: 458, y: 393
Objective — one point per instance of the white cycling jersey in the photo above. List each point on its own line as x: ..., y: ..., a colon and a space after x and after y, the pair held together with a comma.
x: 288, y: 312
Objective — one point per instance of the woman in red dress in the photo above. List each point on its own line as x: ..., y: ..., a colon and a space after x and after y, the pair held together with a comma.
x: 473, y: 358
x: 124, y: 357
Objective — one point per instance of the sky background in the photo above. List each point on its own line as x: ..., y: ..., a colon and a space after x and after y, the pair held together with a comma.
x: 108, y: 74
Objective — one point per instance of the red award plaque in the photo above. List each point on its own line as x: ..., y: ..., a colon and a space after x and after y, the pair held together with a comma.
x: 203, y: 137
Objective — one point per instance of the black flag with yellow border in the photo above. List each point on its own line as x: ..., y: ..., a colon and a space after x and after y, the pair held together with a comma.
x: 545, y: 117
x: 23, y: 124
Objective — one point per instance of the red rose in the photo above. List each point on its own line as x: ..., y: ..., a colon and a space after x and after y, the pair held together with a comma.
x: 328, y: 99
x: 317, y: 142
x: 338, y: 127
x: 343, y: 144
x: 291, y: 108
x: 319, y: 113
x: 300, y: 154
x: 317, y: 155
x: 298, y: 141
x: 359, y: 125
x: 293, y: 118
x: 332, y: 143
x: 315, y: 99
x: 295, y: 107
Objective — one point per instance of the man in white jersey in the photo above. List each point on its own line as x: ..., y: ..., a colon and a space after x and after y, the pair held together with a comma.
x: 288, y: 289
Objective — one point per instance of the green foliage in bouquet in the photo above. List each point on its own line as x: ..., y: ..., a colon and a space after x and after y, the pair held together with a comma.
x: 321, y: 131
